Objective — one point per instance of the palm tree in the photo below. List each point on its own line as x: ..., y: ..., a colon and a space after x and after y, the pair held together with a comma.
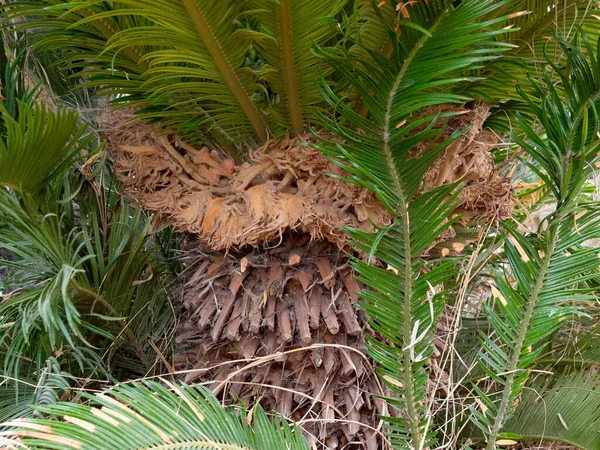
x: 237, y: 97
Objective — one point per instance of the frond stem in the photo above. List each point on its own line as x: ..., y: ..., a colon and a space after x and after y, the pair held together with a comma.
x: 212, y: 44
x: 516, y: 356
x: 410, y: 394
x: 292, y: 93
x: 404, y: 217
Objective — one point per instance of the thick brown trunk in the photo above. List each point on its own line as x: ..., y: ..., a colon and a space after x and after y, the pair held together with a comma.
x: 282, y: 327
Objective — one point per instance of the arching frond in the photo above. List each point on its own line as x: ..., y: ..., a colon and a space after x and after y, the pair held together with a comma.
x: 551, y: 270
x: 149, y: 415
x: 19, y: 398
x: 84, y: 280
x: 566, y: 410
x: 37, y: 144
x: 436, y: 47
x: 183, y: 62
x: 534, y: 23
x: 291, y: 29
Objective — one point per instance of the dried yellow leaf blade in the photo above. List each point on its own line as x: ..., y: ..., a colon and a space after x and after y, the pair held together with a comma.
x: 11, y: 444
x: 116, y: 414
x: 23, y: 423
x: 181, y: 394
x: 482, y: 406
x: 497, y: 294
x: 102, y: 415
x: 519, y: 248
x: 81, y: 423
x: 393, y: 382
x: 506, y: 442
x: 64, y: 442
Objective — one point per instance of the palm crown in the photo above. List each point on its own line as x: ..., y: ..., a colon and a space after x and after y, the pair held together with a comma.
x: 234, y: 71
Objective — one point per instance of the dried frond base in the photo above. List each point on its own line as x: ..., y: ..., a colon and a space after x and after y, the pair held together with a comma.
x: 284, y: 186
x: 282, y: 327
x: 487, y: 194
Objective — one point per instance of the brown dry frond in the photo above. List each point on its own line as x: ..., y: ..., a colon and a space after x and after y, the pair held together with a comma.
x: 284, y: 185
x: 487, y: 194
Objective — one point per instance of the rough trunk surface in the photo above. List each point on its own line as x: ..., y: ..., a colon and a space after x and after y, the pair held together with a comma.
x: 281, y: 326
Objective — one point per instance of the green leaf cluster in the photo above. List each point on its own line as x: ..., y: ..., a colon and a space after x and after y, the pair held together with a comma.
x: 436, y: 47
x: 84, y: 277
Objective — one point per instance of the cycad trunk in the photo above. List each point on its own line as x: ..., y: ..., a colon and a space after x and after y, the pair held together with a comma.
x: 268, y: 276
x: 249, y: 319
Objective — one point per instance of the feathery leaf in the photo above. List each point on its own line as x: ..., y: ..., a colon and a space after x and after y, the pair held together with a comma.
x: 150, y: 415
x: 428, y: 57
x: 551, y: 271
x: 291, y: 29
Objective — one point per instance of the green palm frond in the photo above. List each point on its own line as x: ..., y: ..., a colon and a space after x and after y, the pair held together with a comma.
x: 81, y: 47
x: 85, y: 281
x: 150, y: 415
x: 534, y: 23
x: 182, y: 63
x: 580, y: 350
x: 12, y: 80
x: 370, y: 34
x: 434, y: 50
x: 19, y: 398
x: 551, y: 271
x: 566, y: 410
x: 200, y: 48
x: 40, y: 316
x: 527, y: 314
x: 126, y: 274
x: 292, y: 69
x: 37, y: 145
